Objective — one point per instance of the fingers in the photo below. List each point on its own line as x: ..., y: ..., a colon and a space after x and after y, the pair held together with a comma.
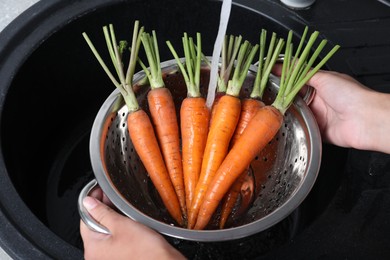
x: 98, y: 194
x: 103, y: 214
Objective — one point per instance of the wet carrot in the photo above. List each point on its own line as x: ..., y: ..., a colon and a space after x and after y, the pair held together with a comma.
x: 264, y: 125
x: 248, y: 109
x: 138, y: 123
x: 262, y: 128
x: 247, y: 193
x: 229, y: 53
x: 163, y: 113
x: 194, y: 115
x: 194, y: 129
x: 230, y: 200
x: 222, y: 128
x: 145, y: 143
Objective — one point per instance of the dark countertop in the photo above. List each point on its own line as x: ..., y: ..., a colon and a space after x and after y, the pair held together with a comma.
x: 362, y: 29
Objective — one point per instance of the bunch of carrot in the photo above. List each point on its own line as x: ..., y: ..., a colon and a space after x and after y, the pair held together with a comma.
x: 153, y: 151
x: 205, y: 167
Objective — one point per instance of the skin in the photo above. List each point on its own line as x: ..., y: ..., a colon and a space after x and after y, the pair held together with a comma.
x: 354, y: 117
x: 128, y: 239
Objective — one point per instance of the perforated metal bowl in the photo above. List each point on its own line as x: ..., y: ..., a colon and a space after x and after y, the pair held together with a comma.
x: 284, y: 172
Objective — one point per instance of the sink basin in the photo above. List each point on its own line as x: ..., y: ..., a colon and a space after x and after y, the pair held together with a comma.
x: 51, y: 90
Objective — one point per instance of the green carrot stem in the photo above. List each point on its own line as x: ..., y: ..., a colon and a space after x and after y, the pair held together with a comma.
x: 290, y: 97
x: 287, y: 62
x: 244, y: 60
x: 192, y: 51
x: 118, y: 59
x: 224, y: 58
x: 136, y: 43
x: 189, y: 63
x: 179, y: 63
x: 101, y: 62
x: 310, y: 63
x: 286, y: 65
x: 229, y: 54
x: 198, y: 60
x: 296, y: 54
x: 110, y: 47
x: 191, y: 72
x: 266, y: 64
x: 301, y: 60
x: 270, y: 51
x: 295, y: 76
x: 272, y: 61
x: 256, y: 84
x: 301, y: 42
x: 115, y: 54
x: 152, y: 53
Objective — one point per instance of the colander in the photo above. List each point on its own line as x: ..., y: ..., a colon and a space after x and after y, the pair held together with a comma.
x: 282, y: 174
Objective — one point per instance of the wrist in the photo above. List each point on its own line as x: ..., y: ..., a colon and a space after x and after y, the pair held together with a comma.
x: 378, y: 123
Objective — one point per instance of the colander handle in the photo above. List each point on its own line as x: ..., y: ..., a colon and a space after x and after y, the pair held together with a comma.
x: 84, y: 214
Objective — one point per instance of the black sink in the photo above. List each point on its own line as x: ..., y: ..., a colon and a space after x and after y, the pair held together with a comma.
x: 52, y: 88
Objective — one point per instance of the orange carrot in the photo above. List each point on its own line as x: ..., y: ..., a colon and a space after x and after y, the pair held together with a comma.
x: 163, y: 113
x: 145, y: 143
x: 248, y: 109
x: 194, y: 115
x: 230, y: 200
x: 247, y: 193
x: 264, y: 125
x: 138, y: 123
x: 222, y: 128
x: 262, y: 128
x: 228, y: 56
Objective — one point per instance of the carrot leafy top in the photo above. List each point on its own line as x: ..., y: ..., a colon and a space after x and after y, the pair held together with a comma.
x: 244, y: 60
x: 266, y: 62
x: 229, y: 52
x: 154, y: 73
x: 116, y: 50
x: 297, y: 68
x: 193, y: 58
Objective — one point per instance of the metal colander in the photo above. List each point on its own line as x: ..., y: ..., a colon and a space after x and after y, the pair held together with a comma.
x: 282, y: 174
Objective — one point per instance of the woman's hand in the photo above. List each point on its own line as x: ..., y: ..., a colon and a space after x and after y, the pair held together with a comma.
x: 128, y: 239
x: 348, y: 113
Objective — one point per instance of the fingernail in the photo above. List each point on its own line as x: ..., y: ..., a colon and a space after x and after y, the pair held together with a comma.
x: 89, y: 203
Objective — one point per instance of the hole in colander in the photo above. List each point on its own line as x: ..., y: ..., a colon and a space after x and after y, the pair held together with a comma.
x: 273, y: 185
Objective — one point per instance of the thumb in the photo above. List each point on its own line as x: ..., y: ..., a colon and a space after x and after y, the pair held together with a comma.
x: 103, y: 214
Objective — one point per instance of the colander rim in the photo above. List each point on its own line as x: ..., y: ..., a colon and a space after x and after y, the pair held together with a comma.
x: 313, y: 165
